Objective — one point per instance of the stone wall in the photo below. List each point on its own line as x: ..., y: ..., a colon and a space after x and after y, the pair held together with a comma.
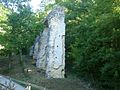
x: 56, y: 48
x: 51, y: 46
x: 42, y: 54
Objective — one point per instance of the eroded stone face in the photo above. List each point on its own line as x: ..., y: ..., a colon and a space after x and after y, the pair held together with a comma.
x: 56, y: 47
x: 36, y: 47
x: 50, y: 50
x: 42, y: 54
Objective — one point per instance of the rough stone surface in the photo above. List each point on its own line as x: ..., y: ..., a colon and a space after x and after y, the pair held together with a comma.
x: 49, y: 48
x: 56, y: 46
x: 42, y: 54
x: 36, y: 47
x: 8, y: 83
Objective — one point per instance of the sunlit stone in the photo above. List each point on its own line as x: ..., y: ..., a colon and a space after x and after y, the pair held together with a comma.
x: 49, y: 49
x: 42, y: 54
x: 56, y: 43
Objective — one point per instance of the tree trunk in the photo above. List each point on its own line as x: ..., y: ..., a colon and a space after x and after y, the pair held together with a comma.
x: 10, y: 62
x: 21, y: 60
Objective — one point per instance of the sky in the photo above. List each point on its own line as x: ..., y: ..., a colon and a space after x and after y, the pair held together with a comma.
x: 35, y: 4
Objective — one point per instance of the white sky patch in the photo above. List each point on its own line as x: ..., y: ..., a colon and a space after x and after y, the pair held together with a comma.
x: 35, y: 4
x: 40, y: 4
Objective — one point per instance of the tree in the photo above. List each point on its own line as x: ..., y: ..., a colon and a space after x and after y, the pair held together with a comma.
x: 92, y: 39
x: 23, y: 26
x: 14, y: 4
x: 3, y: 24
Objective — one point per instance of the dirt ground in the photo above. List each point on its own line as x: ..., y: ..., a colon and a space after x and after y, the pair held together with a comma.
x: 37, y: 77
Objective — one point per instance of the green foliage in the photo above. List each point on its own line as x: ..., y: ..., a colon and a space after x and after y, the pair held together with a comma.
x: 92, y: 39
x: 14, y: 4
x: 92, y: 36
x: 20, y: 28
x: 3, y: 25
x: 24, y: 28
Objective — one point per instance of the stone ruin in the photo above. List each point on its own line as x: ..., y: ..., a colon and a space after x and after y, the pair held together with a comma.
x: 49, y: 47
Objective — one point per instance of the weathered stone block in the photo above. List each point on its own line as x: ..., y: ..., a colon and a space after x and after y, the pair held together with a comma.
x: 50, y: 50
